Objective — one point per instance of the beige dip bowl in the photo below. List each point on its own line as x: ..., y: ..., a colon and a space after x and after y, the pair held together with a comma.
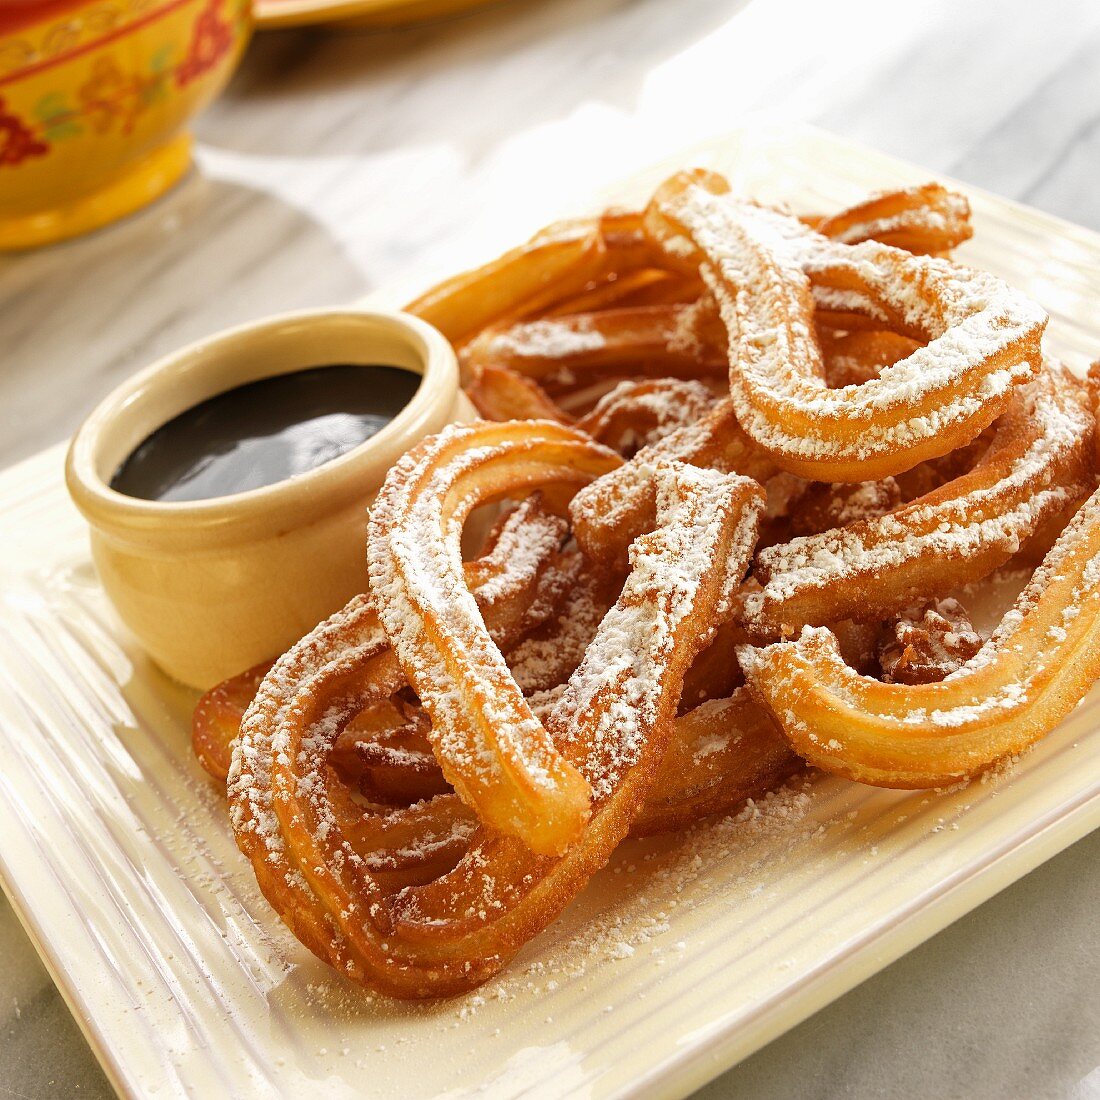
x: 213, y: 587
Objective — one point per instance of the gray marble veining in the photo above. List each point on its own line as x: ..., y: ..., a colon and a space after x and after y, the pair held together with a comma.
x: 336, y: 163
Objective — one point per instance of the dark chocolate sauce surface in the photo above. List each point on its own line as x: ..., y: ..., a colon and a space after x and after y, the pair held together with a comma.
x: 264, y: 432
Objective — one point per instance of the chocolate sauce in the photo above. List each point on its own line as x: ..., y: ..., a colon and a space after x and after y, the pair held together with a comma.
x: 265, y: 432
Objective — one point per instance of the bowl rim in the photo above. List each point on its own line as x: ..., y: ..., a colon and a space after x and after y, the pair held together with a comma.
x: 41, y: 17
x: 307, y: 497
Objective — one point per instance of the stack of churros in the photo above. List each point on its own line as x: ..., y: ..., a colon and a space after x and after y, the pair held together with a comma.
x: 744, y: 464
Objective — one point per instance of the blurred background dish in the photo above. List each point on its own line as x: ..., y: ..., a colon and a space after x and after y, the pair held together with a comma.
x: 359, y: 13
x: 94, y: 98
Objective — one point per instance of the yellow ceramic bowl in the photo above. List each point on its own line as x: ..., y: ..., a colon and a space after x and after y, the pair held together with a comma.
x: 212, y: 587
x: 94, y: 98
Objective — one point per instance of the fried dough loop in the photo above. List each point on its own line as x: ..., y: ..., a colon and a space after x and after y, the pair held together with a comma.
x: 1031, y: 672
x: 1037, y: 464
x: 768, y: 273
x: 500, y: 761
x: 927, y: 219
x: 613, y: 510
x: 744, y: 463
x: 609, y: 724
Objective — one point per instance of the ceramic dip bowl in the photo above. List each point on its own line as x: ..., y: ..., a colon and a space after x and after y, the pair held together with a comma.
x: 215, y: 586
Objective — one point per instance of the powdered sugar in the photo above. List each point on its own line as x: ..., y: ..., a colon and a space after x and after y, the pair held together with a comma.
x: 935, y: 217
x: 640, y: 413
x: 627, y: 660
x: 760, y: 267
x: 550, y: 339
x: 980, y: 699
x: 1026, y: 477
x: 428, y: 612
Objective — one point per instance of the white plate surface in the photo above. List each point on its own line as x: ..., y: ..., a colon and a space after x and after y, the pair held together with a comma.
x: 684, y: 956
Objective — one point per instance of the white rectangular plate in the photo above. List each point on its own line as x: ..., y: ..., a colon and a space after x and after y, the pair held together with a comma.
x: 684, y: 956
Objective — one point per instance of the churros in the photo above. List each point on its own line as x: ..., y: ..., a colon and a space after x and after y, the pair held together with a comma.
x: 1032, y: 671
x: 744, y: 461
x: 455, y: 931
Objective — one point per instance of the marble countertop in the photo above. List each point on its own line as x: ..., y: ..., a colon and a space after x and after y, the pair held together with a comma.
x: 336, y: 163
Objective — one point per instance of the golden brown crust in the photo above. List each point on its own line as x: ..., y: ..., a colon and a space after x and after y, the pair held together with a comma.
x: 429, y: 777
x: 454, y: 931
